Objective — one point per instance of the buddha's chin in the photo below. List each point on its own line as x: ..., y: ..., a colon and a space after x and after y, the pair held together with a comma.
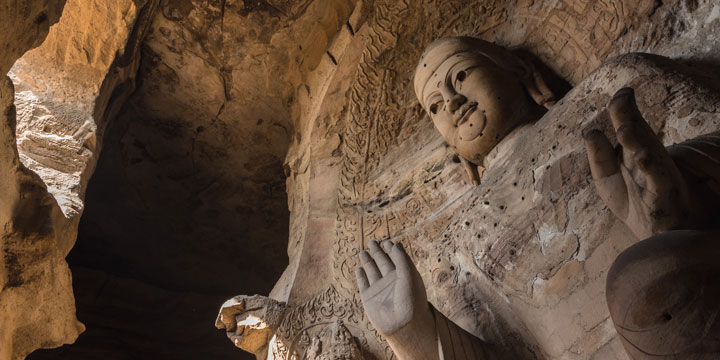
x: 471, y: 151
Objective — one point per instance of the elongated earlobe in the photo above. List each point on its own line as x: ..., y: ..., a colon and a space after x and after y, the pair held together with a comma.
x: 538, y: 88
x: 543, y: 86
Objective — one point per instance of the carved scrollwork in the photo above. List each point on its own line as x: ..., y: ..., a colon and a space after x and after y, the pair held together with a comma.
x: 324, y: 327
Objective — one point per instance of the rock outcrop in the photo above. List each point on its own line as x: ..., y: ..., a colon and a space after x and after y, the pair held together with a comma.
x: 31, y: 265
x: 65, y: 93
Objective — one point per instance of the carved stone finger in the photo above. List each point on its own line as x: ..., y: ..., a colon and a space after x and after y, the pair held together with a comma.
x: 361, y: 278
x: 658, y: 174
x: 623, y: 109
x: 635, y: 188
x: 601, y: 155
x: 646, y: 170
x: 399, y: 257
x: 614, y: 193
x: 387, y: 246
x: 627, y: 137
x: 643, y: 160
x: 371, y: 269
x: 381, y: 258
x: 632, y: 130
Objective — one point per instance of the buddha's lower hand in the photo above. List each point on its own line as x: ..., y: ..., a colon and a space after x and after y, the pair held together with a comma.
x: 395, y: 301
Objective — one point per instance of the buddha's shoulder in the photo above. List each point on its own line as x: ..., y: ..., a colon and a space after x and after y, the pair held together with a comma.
x: 678, y: 101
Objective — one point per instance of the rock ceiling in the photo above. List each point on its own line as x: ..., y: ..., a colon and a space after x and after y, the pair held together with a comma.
x: 209, y: 144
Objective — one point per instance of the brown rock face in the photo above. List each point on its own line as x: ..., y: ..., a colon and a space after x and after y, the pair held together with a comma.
x: 66, y: 91
x: 239, y: 138
x: 196, y: 161
x: 195, y: 165
x: 192, y: 173
x: 32, y: 269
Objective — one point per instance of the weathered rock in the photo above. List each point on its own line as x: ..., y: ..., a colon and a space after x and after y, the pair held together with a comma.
x: 209, y: 125
x: 68, y: 89
x: 31, y: 270
x: 190, y: 197
x: 65, y: 87
x: 194, y: 165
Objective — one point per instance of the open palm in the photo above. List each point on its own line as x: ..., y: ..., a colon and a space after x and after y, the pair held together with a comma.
x: 391, y: 288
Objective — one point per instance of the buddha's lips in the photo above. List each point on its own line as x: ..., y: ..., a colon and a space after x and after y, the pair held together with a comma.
x: 462, y: 115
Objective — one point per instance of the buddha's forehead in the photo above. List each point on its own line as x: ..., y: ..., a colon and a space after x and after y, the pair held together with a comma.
x: 437, y: 53
x: 435, y: 56
x: 460, y: 61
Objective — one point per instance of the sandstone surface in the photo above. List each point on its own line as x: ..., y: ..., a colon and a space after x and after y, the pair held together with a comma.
x: 269, y: 135
x: 372, y: 167
x: 64, y: 93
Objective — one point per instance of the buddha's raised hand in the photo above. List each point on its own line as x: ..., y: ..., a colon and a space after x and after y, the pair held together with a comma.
x: 395, y: 301
x: 641, y: 185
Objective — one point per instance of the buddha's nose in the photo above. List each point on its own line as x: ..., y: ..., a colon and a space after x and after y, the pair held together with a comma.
x: 455, y: 102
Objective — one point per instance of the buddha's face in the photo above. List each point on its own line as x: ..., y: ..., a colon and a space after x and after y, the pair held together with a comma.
x: 472, y: 101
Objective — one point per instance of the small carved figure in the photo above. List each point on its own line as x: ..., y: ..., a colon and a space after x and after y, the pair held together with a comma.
x: 250, y: 322
x: 334, y: 342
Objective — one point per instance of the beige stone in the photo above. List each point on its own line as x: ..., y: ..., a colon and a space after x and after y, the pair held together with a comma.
x: 662, y: 295
x: 251, y: 322
x: 63, y: 103
x: 475, y: 92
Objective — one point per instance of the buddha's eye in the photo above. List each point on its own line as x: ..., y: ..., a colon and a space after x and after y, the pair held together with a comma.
x: 434, y: 108
x: 460, y: 76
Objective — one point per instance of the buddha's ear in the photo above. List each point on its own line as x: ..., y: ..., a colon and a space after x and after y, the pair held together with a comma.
x: 541, y: 83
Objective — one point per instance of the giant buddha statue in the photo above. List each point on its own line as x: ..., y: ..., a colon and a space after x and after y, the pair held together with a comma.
x: 662, y: 292
x: 572, y: 235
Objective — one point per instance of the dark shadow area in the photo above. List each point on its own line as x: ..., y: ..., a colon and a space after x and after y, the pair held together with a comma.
x: 130, y: 320
x: 705, y: 71
x: 169, y: 232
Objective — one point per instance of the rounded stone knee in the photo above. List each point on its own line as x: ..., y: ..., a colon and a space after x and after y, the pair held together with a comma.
x: 663, y: 294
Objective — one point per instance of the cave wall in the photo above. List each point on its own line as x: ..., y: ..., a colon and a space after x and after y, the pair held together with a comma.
x: 30, y: 267
x: 189, y: 198
x: 190, y: 169
x: 64, y: 93
x: 65, y: 90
